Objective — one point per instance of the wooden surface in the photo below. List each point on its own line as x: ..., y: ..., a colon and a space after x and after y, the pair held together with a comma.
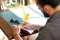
x: 5, y: 28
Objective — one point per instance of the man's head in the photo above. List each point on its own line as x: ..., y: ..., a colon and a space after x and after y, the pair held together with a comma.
x: 48, y: 6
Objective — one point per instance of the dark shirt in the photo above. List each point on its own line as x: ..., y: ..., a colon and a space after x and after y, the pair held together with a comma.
x: 51, y: 31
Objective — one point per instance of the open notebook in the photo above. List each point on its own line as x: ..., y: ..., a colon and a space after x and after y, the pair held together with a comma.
x: 7, y: 20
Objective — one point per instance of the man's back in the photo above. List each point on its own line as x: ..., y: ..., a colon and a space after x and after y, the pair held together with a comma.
x: 52, y: 29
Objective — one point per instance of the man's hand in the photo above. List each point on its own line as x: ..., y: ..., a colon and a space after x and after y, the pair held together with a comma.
x: 16, y: 29
x: 16, y: 33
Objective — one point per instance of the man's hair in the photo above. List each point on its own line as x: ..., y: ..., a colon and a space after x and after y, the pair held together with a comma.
x: 52, y: 3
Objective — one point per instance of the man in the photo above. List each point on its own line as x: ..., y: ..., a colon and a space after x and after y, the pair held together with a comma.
x: 51, y: 31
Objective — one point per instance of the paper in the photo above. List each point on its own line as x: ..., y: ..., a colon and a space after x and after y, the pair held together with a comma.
x: 27, y: 29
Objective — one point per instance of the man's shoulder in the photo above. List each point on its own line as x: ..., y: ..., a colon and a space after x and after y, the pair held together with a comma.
x: 54, y: 28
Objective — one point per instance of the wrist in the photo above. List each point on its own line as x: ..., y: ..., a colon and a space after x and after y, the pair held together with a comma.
x: 15, y: 34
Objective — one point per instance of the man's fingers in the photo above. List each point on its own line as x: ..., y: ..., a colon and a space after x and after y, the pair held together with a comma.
x: 15, y: 29
x: 14, y: 26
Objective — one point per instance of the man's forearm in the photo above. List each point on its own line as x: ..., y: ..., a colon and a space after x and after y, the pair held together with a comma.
x: 17, y: 37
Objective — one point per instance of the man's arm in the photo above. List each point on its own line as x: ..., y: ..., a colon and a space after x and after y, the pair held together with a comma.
x: 16, y: 33
x: 44, y: 34
x: 17, y: 37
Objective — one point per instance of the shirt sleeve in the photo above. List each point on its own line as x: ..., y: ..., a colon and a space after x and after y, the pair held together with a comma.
x: 44, y: 35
